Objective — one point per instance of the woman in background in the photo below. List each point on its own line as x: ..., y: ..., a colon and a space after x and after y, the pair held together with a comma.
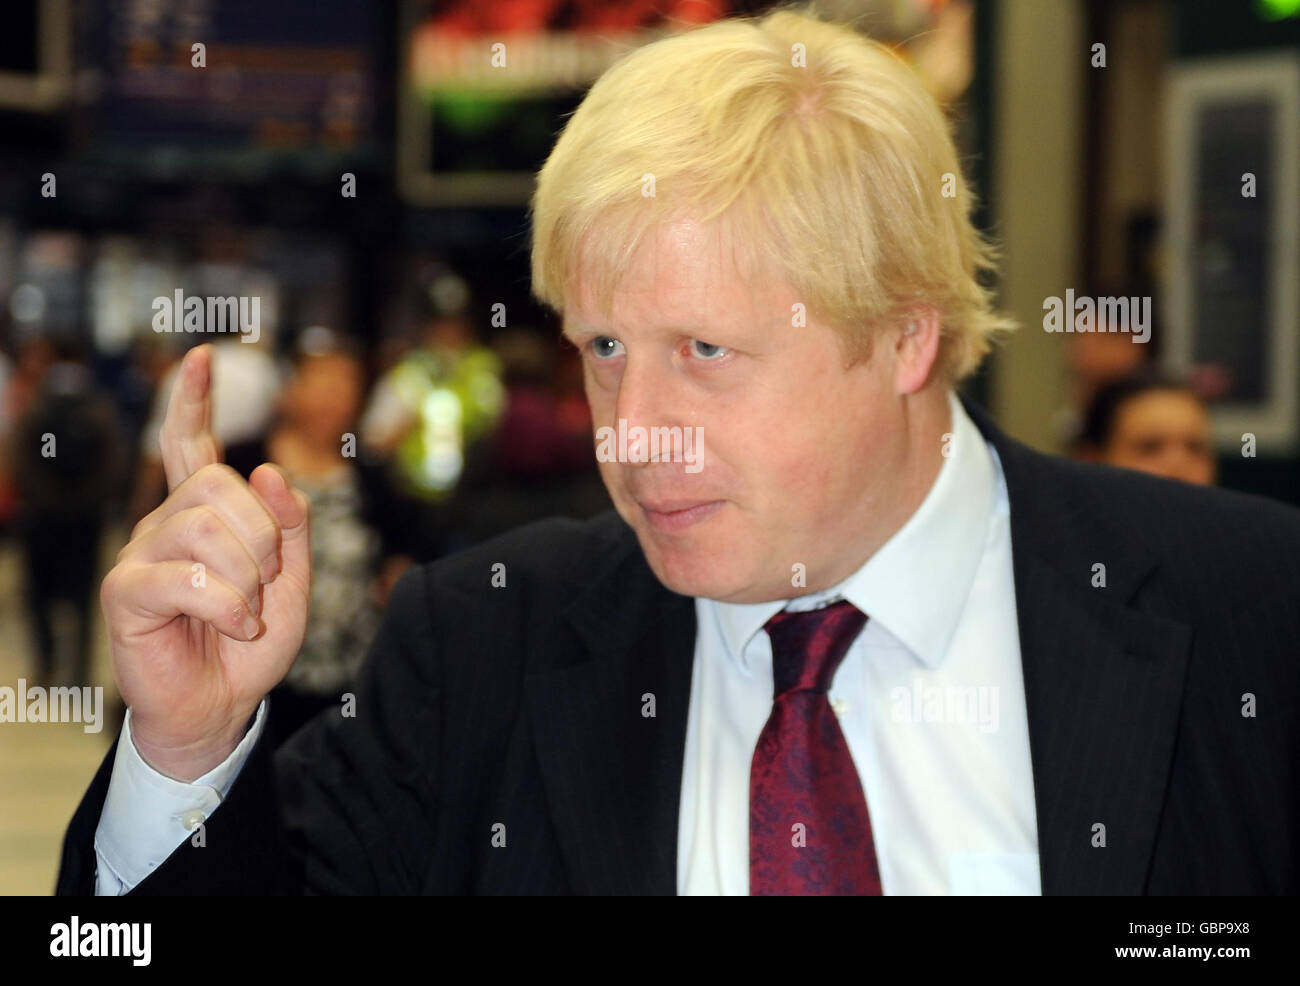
x: 1151, y: 423
x: 313, y: 440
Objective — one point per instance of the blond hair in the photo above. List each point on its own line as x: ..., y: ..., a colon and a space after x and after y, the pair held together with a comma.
x: 842, y: 169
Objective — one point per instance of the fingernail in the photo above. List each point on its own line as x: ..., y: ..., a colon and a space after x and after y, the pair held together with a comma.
x: 251, y: 627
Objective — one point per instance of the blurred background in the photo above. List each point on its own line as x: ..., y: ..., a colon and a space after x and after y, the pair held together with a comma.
x: 353, y: 176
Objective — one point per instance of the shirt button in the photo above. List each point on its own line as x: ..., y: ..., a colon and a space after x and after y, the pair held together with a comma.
x: 193, y: 819
x: 840, y: 706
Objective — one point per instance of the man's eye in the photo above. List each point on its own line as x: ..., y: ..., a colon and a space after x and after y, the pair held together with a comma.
x: 606, y: 347
x: 706, y: 350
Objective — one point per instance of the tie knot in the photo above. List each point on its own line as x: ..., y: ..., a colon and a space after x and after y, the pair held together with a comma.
x: 807, y: 647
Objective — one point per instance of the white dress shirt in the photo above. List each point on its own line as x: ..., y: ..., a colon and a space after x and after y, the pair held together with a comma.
x: 930, y: 698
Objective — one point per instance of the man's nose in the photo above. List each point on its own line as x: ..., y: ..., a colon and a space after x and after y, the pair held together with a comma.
x: 646, y: 400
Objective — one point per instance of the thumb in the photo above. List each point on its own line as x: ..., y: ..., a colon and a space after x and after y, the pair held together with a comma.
x: 293, y: 512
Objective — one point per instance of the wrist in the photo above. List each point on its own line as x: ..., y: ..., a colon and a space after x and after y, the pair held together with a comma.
x: 187, y: 761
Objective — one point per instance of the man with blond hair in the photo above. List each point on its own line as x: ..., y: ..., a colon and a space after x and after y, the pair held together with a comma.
x: 871, y: 645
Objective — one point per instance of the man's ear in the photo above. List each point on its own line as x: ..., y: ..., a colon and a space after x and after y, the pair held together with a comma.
x: 916, y: 348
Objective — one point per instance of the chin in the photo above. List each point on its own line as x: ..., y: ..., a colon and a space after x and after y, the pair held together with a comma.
x: 704, y: 571
x: 687, y: 579
x: 705, y: 558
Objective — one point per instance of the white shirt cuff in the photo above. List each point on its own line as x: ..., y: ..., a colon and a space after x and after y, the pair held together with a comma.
x: 147, y: 814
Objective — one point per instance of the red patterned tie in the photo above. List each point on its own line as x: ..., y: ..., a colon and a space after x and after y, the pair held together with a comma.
x: 809, y: 832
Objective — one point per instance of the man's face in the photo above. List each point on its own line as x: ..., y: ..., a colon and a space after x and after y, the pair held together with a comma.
x: 796, y: 450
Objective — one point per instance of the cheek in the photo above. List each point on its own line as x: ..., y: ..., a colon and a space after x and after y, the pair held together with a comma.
x: 774, y: 469
x: 611, y: 474
x: 818, y: 438
x: 601, y: 402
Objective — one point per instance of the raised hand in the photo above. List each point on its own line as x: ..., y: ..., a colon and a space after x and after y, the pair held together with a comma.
x: 207, y: 604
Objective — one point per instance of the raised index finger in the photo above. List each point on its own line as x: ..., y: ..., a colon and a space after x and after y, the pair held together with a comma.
x: 186, y: 436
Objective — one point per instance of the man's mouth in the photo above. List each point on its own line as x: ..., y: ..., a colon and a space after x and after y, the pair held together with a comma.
x: 671, y: 516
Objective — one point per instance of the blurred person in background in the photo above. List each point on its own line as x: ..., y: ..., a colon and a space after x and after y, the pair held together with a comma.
x: 136, y: 389
x: 65, y: 464
x: 426, y: 414
x: 33, y: 359
x: 534, y: 438
x: 313, y: 438
x: 1151, y: 423
x: 36, y: 354
x: 538, y: 462
x: 1095, y: 359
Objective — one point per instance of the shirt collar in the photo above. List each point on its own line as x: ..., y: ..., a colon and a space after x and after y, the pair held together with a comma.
x: 917, y: 582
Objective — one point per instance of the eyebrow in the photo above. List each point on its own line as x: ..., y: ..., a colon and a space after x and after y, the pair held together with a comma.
x: 573, y: 331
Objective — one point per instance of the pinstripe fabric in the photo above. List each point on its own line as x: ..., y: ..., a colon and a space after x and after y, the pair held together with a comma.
x: 530, y: 739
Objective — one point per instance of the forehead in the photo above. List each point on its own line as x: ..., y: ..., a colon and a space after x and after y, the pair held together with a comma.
x: 1162, y: 407
x: 684, y: 273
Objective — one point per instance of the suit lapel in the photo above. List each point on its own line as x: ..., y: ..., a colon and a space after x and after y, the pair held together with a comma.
x: 612, y: 771
x: 1103, y: 686
x: 1103, y: 680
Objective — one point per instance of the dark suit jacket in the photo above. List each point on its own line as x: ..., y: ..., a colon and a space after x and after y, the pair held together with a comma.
x: 522, y: 707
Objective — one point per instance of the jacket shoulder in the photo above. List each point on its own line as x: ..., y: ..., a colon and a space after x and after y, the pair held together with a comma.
x: 1243, y: 545
x: 558, y: 549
